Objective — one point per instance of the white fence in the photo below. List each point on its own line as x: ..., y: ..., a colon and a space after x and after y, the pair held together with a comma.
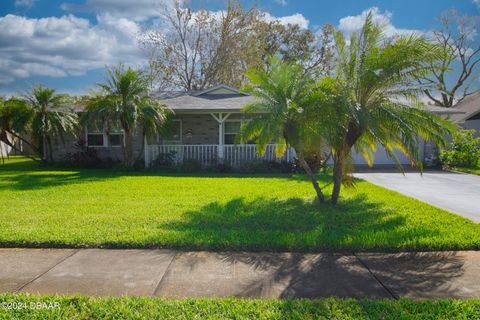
x: 207, y: 155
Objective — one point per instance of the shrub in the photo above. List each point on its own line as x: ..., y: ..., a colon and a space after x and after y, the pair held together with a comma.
x: 221, y: 168
x: 260, y: 166
x: 189, y: 166
x: 314, y: 161
x: 463, y: 151
x: 164, y: 161
x: 84, y: 156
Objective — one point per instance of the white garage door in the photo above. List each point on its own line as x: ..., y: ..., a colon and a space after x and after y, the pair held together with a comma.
x: 473, y: 124
x: 381, y: 158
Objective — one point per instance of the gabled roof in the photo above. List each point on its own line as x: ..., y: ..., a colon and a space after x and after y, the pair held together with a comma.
x: 470, y: 106
x: 442, y: 111
x: 218, y: 89
x: 219, y: 98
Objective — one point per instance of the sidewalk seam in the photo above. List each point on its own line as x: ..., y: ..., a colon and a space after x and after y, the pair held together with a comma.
x: 163, y: 276
x: 394, y: 296
x: 43, y: 273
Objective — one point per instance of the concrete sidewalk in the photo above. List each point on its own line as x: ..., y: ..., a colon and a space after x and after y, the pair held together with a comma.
x: 179, y: 274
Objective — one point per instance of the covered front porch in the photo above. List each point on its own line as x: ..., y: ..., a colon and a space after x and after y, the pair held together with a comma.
x: 209, y: 138
x: 211, y: 154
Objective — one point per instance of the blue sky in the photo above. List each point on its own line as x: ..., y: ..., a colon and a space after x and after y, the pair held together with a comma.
x: 65, y: 44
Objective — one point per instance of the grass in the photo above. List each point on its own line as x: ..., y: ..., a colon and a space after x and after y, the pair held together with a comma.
x: 469, y: 170
x: 75, y: 307
x: 102, y: 208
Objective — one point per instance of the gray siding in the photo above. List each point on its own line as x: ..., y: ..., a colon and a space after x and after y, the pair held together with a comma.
x: 62, y: 148
x: 203, y: 127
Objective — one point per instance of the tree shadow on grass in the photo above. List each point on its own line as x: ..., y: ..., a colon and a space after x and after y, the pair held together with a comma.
x: 24, y: 174
x: 46, y: 179
x: 356, y: 224
x: 295, y: 224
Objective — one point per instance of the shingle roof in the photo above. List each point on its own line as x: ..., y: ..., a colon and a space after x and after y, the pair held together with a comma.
x: 442, y: 110
x: 469, y: 107
x: 206, y: 102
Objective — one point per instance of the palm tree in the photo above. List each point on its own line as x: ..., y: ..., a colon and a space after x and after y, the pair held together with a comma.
x: 51, y: 117
x: 377, y: 79
x: 124, y: 99
x: 15, y: 122
x: 283, y: 93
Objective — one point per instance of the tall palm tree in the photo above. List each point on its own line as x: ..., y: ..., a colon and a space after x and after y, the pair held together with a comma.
x: 124, y: 99
x: 283, y: 93
x: 377, y: 76
x: 51, y: 117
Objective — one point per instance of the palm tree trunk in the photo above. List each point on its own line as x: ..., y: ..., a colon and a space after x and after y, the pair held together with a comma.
x: 142, y: 149
x: 311, y: 176
x: 50, y: 149
x: 129, y: 158
x: 44, y: 148
x: 338, y: 162
x: 12, y: 145
x: 23, y: 140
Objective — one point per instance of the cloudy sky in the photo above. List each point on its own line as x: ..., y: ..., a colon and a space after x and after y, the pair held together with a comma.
x: 65, y: 44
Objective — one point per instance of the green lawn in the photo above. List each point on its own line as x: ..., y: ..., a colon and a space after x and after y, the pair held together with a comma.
x: 232, y: 308
x: 102, y: 208
x: 469, y: 170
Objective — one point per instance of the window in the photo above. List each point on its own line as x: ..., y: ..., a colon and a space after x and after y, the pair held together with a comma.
x: 115, y: 135
x: 95, y: 136
x: 231, y: 130
x: 174, y: 132
x: 98, y: 136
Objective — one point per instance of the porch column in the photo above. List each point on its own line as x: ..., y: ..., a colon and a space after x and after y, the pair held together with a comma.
x: 220, y: 118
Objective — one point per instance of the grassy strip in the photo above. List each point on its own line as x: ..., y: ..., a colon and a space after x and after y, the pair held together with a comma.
x: 468, y: 170
x: 76, y: 307
x: 50, y: 207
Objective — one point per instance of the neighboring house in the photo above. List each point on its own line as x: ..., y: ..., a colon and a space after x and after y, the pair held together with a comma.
x: 4, y: 149
x: 469, y: 118
x: 204, y: 128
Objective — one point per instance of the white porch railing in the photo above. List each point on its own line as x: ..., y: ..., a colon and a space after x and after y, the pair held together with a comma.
x: 233, y: 155
x: 206, y: 154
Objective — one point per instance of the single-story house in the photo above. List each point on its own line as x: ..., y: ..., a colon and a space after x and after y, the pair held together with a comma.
x: 205, y: 124
x: 469, y: 117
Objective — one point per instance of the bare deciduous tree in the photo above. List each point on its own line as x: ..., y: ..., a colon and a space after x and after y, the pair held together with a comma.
x: 192, y: 50
x: 294, y: 44
x: 195, y: 49
x: 461, y: 52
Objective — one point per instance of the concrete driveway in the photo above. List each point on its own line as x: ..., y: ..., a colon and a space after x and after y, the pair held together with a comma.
x: 455, y: 192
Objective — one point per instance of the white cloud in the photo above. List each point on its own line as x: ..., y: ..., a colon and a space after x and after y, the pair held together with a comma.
x: 25, y: 3
x: 296, y: 18
x: 64, y: 46
x: 71, y: 46
x: 351, y: 24
x: 137, y: 10
x: 283, y: 3
x: 477, y: 2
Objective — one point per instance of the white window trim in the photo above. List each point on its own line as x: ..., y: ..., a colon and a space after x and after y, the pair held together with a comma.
x: 108, y: 142
x: 231, y: 120
x: 104, y: 133
x: 168, y: 141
